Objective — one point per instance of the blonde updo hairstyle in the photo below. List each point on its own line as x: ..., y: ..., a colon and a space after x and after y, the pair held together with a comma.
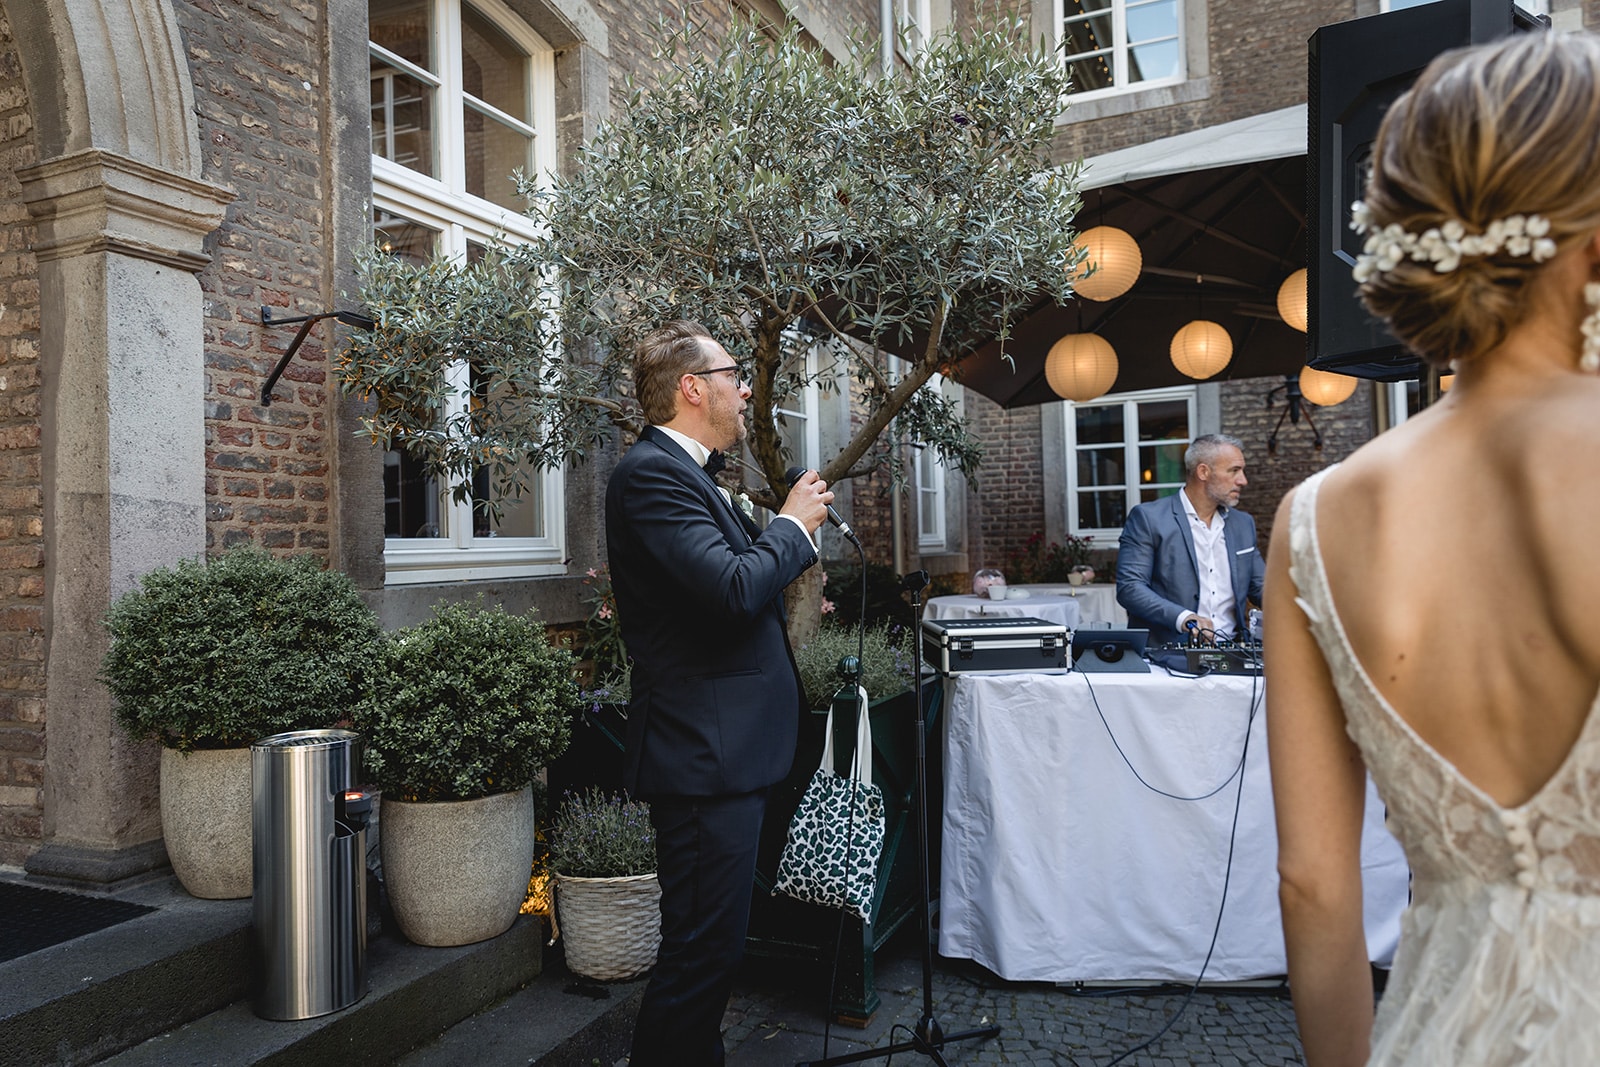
x: 1510, y: 128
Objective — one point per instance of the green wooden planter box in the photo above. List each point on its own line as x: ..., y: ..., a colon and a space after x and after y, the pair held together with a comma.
x: 783, y: 927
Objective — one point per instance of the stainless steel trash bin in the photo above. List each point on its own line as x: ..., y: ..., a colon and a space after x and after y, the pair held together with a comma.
x: 309, y: 818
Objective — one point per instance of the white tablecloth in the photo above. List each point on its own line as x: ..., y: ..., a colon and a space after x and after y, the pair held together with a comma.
x: 1062, y: 610
x: 1058, y: 865
x: 1097, y: 602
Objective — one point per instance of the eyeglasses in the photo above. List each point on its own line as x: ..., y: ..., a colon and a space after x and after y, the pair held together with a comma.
x: 739, y: 376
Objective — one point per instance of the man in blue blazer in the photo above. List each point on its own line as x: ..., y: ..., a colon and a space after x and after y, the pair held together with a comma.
x: 716, y: 698
x: 1188, y: 562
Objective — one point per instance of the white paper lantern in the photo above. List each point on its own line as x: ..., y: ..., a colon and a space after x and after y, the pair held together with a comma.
x: 1201, y: 349
x: 1292, y: 300
x: 1080, y: 366
x: 1324, y: 388
x: 1116, y: 260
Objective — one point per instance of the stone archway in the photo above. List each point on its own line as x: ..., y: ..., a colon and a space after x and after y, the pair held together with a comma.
x: 121, y: 211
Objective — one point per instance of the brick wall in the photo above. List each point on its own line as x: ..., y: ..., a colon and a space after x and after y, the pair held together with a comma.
x: 634, y: 30
x: 258, y: 82
x: 22, y: 687
x: 1345, y: 427
x: 1257, y: 57
x: 1005, y: 503
x: 871, y: 502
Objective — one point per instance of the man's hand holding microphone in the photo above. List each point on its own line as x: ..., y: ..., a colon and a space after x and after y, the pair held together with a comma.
x: 809, y: 502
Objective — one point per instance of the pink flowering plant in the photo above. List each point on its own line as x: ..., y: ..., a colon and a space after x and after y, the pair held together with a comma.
x: 603, y: 630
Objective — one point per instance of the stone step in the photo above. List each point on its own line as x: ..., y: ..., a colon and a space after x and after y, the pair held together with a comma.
x: 172, y: 987
x: 415, y: 993
x: 83, y: 999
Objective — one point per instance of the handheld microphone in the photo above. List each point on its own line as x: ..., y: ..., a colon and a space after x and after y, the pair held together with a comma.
x: 794, y: 474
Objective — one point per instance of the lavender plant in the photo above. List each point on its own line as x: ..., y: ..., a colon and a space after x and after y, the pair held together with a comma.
x: 596, y: 835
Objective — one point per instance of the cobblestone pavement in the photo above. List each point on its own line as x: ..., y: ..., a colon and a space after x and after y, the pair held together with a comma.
x: 769, y: 1024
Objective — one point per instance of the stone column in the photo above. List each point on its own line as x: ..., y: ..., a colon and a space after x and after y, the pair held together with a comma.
x: 122, y: 355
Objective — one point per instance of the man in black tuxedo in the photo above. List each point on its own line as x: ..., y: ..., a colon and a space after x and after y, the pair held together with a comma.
x: 716, y: 698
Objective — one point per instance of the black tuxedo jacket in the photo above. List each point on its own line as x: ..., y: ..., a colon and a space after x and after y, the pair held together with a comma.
x: 716, y: 699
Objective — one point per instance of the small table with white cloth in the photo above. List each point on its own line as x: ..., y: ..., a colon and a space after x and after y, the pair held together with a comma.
x: 1098, y: 602
x: 1062, y: 610
x: 1060, y: 865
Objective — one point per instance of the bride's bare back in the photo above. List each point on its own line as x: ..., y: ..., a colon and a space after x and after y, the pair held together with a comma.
x: 1460, y: 550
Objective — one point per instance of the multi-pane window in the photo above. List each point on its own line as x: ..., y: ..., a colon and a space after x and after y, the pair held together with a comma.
x: 930, y: 499
x: 915, y: 21
x: 796, y: 415
x: 1120, y: 44
x: 462, y: 96
x: 453, y: 93
x: 1125, y: 450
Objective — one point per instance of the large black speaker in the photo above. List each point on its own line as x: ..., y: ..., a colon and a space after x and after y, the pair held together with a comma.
x: 1357, y: 69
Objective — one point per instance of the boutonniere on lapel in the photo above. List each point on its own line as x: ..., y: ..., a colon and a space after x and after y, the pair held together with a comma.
x: 746, y: 506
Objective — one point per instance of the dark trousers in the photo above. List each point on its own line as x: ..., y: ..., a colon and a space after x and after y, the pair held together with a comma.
x: 706, y: 862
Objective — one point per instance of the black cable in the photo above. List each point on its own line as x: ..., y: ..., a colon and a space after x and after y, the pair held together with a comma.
x: 1162, y: 792
x: 1227, y: 877
x: 849, y: 830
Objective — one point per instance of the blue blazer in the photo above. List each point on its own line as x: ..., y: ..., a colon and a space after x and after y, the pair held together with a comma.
x: 716, y: 701
x: 1158, y: 578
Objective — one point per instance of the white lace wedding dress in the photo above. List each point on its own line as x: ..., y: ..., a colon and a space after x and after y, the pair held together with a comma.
x: 1499, y: 957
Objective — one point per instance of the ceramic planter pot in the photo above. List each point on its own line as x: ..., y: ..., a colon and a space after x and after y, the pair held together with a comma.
x: 457, y: 871
x: 205, y: 818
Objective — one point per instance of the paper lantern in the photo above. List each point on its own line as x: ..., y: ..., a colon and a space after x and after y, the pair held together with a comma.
x: 1292, y: 300
x: 1324, y: 388
x: 1080, y: 366
x: 1116, y: 260
x: 1201, y: 349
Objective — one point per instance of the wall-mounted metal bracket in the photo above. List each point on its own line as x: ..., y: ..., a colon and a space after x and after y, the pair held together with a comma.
x: 349, y: 318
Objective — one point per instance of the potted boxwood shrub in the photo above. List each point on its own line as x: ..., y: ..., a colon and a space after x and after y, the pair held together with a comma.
x: 608, y: 913
x: 206, y: 658
x: 470, y: 704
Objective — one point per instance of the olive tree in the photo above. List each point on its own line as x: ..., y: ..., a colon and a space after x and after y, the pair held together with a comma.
x: 789, y: 201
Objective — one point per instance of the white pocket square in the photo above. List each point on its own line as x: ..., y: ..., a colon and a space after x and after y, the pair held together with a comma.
x: 1245, y: 551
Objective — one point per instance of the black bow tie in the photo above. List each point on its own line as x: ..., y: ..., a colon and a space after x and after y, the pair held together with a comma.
x: 715, y: 462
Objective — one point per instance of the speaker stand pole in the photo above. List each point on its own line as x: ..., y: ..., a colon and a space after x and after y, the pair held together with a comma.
x: 927, y: 1037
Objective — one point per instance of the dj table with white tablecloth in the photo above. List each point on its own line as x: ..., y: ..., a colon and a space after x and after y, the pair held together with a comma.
x: 1059, y: 864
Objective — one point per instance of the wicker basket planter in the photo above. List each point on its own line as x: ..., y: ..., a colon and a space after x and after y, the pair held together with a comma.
x: 611, y: 926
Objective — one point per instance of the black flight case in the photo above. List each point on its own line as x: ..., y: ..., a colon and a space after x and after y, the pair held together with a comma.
x: 978, y: 646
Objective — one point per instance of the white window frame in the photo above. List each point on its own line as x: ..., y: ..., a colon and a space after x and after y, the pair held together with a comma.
x: 914, y: 23
x: 1130, y: 444
x: 931, y: 499
x: 1119, y: 51
x: 461, y: 219
x: 810, y: 435
x: 927, y: 466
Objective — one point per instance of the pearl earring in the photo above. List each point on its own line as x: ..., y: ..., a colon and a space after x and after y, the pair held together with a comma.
x: 1589, y: 361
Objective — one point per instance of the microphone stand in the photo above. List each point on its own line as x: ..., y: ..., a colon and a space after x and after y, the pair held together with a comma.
x: 927, y: 1037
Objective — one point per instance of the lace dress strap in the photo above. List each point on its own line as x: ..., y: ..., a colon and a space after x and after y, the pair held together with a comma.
x: 1305, y: 557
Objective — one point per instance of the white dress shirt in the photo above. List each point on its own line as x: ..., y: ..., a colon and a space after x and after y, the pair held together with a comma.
x: 700, y: 453
x: 1216, y: 569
